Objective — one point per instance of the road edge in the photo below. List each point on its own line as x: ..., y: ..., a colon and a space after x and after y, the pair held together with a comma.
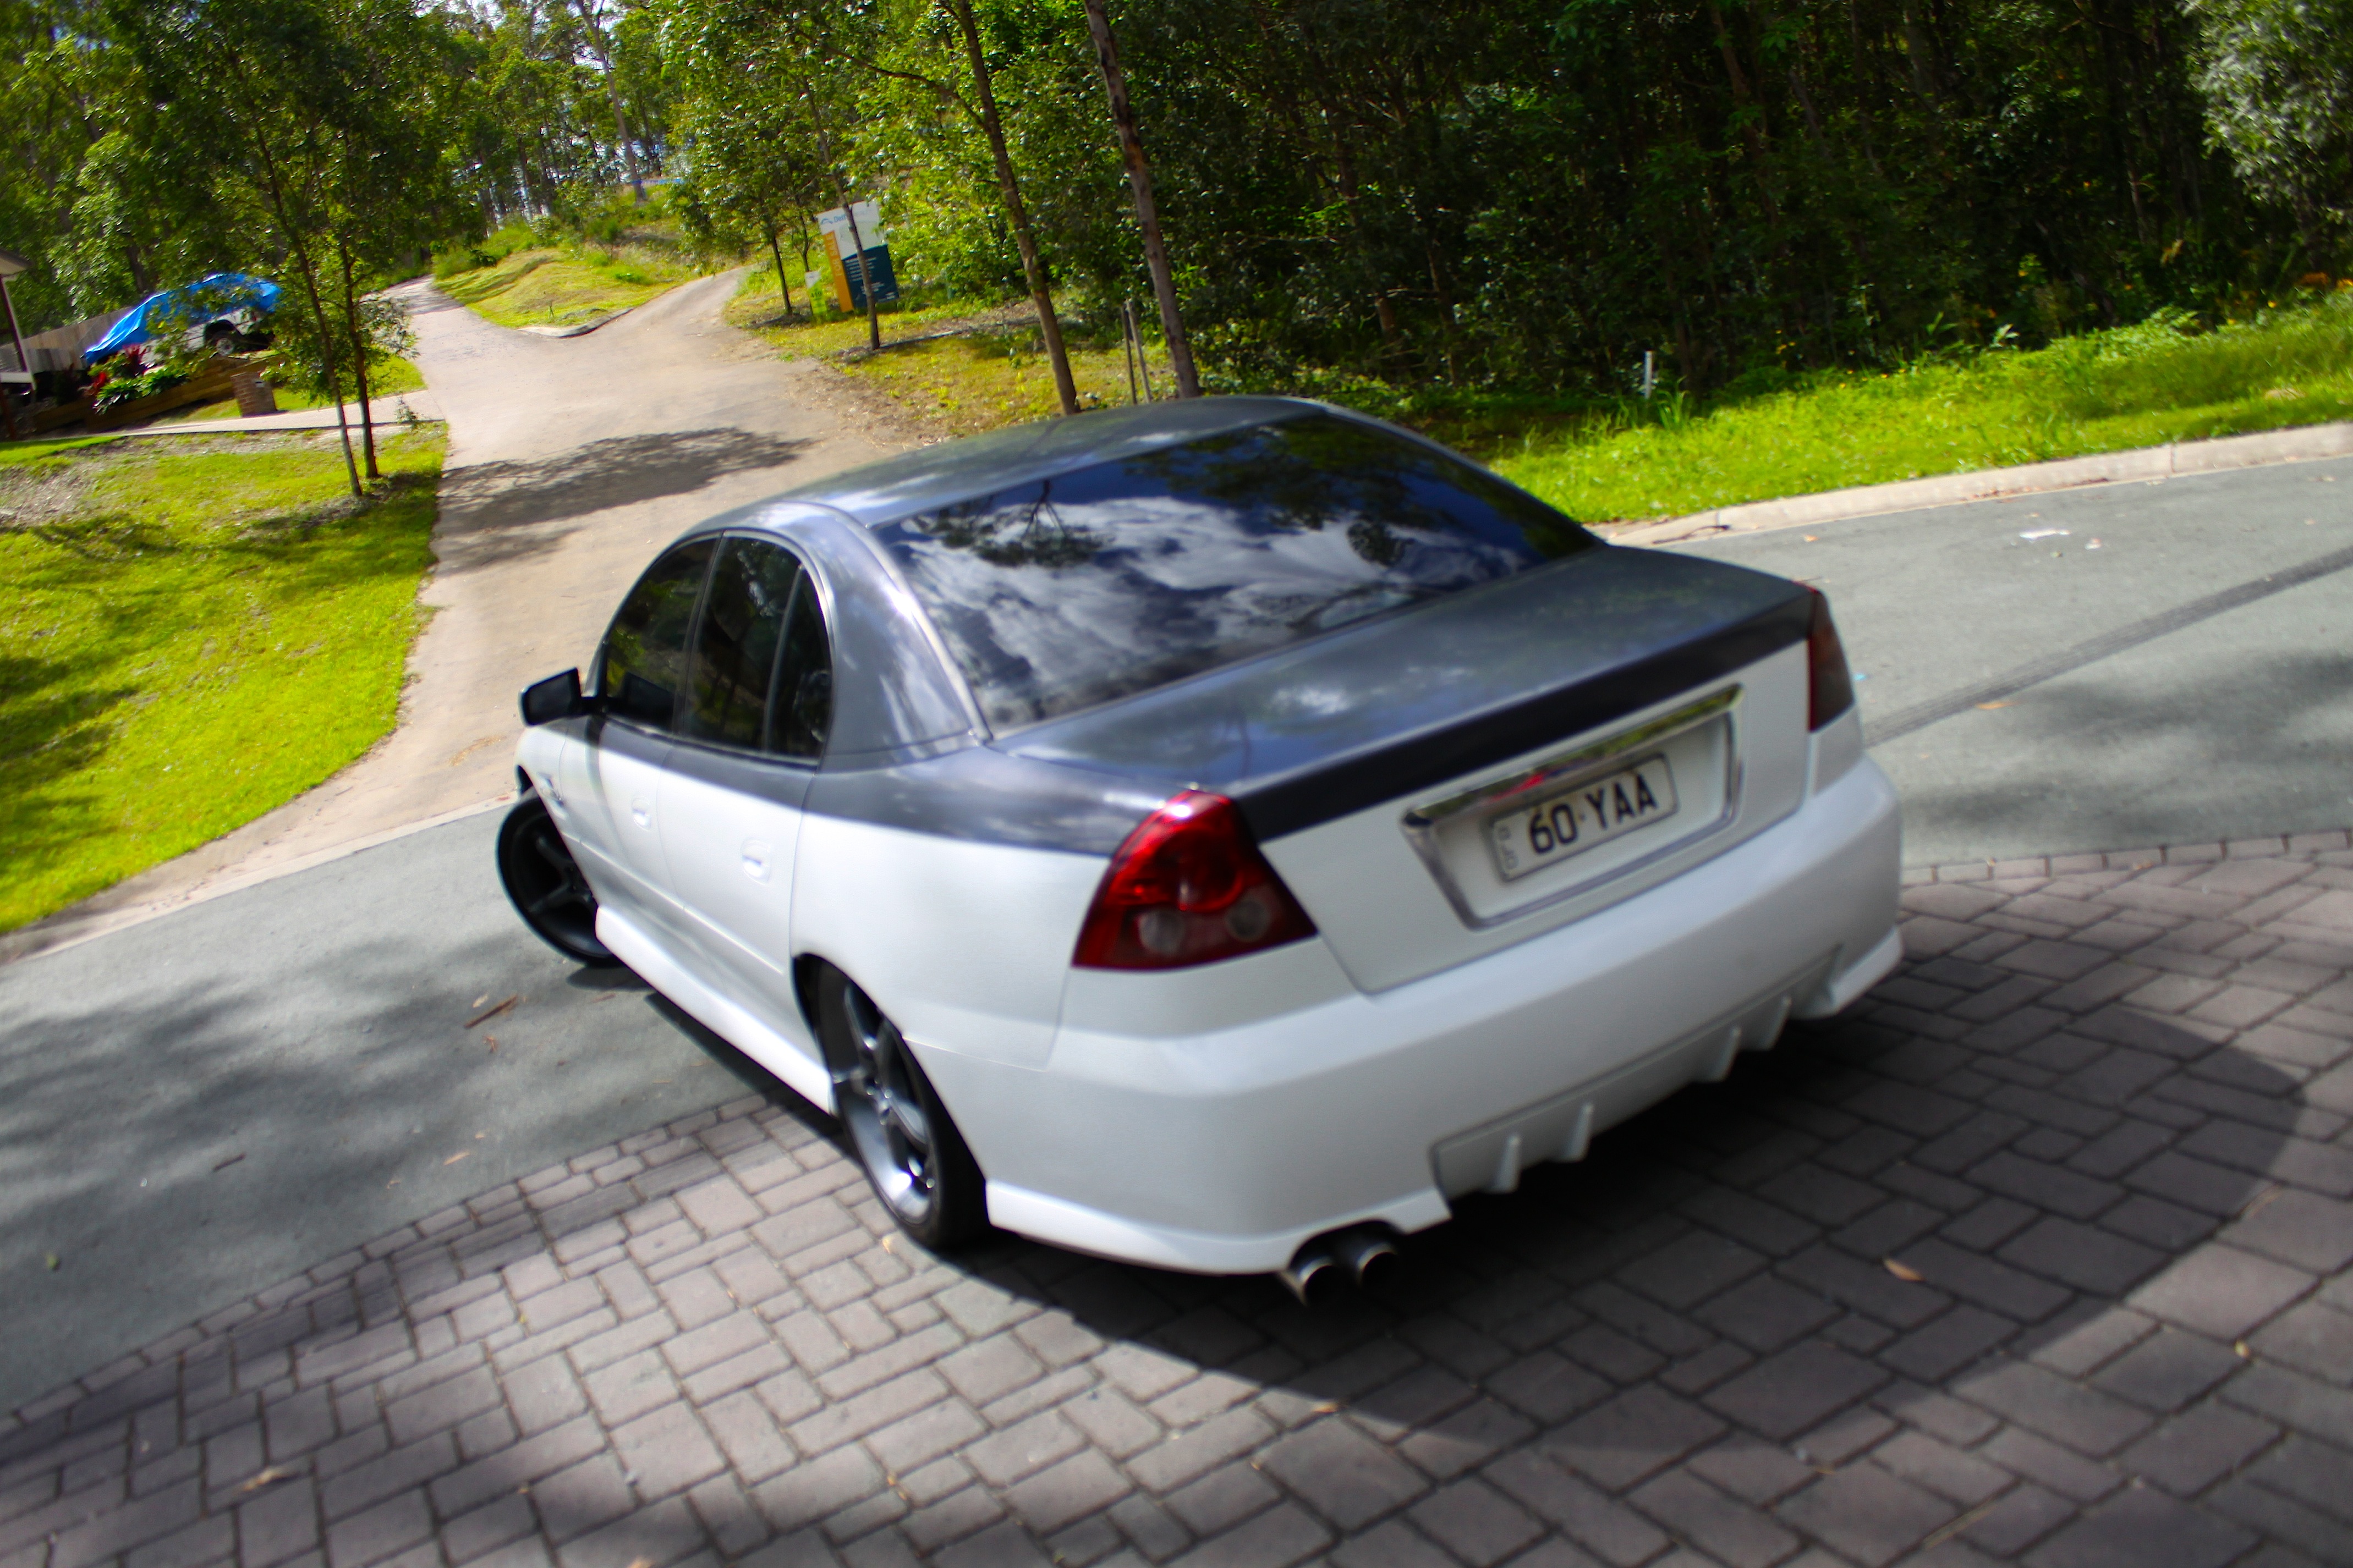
x: 2302, y: 442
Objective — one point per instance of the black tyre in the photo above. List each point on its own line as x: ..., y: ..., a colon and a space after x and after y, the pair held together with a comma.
x: 554, y: 898
x: 914, y: 1155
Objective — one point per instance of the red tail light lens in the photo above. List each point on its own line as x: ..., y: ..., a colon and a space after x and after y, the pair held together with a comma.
x: 1188, y: 886
x: 1832, y: 688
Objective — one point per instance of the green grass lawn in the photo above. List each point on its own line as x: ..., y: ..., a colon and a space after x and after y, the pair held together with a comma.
x: 2102, y: 392
x: 548, y: 287
x: 190, y: 634
x: 991, y: 370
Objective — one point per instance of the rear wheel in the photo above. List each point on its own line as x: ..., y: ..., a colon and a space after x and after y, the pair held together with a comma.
x: 904, y: 1137
x: 554, y: 898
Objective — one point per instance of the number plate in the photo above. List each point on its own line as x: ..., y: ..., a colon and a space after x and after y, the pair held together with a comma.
x: 1575, y: 820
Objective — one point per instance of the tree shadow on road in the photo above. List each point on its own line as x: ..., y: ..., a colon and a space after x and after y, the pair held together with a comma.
x: 496, y: 512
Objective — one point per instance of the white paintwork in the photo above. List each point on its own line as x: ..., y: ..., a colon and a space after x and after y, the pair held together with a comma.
x: 1219, y: 1148
x: 662, y: 968
x: 1215, y: 1119
x: 965, y: 945
x: 1389, y: 922
x: 730, y: 857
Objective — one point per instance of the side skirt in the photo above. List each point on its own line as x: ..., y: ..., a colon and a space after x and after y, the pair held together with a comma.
x: 722, y: 1017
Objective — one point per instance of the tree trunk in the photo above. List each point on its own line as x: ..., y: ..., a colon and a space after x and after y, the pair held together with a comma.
x: 842, y: 194
x: 309, y: 273
x: 613, y: 91
x: 1032, y: 267
x: 1148, y: 211
x: 359, y: 357
x: 784, y: 287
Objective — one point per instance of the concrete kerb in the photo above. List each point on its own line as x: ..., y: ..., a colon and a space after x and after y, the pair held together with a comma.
x: 2146, y: 463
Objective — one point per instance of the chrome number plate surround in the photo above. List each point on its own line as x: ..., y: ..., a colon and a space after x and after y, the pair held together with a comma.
x: 1566, y: 822
x: 1565, y: 770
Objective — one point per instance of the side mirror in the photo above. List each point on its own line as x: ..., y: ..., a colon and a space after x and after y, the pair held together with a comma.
x: 557, y: 697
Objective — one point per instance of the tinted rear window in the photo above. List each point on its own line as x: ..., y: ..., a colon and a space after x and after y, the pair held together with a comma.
x: 1065, y: 593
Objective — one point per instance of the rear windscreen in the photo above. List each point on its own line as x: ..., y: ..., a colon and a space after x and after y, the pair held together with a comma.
x: 1061, y: 593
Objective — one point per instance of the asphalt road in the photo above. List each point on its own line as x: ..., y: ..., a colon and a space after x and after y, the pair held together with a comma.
x: 232, y: 1092
x: 2228, y: 712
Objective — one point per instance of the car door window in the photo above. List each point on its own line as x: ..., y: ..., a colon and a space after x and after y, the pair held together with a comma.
x: 645, y: 651
x: 804, y: 692
x: 733, y: 669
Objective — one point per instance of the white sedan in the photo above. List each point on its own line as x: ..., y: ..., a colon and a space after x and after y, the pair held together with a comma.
x: 1218, y: 834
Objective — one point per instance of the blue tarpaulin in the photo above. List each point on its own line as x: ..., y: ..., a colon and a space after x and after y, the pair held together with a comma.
x: 208, y: 298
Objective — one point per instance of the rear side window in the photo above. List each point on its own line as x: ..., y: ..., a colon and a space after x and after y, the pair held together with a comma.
x: 644, y: 648
x: 761, y: 676
x: 735, y: 646
x: 1063, y: 594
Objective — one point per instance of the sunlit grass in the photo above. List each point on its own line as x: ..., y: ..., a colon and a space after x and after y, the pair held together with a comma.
x: 2103, y: 392
x: 190, y: 634
x: 978, y: 364
x: 547, y: 286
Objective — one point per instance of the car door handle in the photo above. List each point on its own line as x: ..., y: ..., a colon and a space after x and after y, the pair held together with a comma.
x: 756, y: 859
x: 641, y: 812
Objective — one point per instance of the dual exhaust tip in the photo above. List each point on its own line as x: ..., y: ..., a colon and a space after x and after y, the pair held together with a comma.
x: 1322, y: 1269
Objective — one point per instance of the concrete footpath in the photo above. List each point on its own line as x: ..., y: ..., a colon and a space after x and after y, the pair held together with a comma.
x: 2040, y: 1256
x: 571, y: 462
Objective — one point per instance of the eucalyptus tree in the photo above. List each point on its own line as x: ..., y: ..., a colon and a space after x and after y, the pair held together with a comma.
x: 2278, y: 79
x: 752, y: 169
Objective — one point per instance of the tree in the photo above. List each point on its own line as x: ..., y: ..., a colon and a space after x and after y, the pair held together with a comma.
x: 2278, y: 79
x: 751, y: 168
x: 1147, y: 210
x: 910, y: 65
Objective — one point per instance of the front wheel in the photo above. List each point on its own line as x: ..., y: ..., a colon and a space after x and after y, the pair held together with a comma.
x: 914, y: 1155
x: 554, y: 898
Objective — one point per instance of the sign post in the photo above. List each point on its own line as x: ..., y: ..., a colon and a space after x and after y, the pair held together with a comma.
x: 855, y: 250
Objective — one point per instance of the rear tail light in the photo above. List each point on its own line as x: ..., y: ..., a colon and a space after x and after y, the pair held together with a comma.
x: 1188, y: 886
x: 1831, y: 690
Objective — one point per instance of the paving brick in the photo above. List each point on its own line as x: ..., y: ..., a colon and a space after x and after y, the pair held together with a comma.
x: 1192, y: 1453
x: 2190, y: 1452
x: 2143, y: 1529
x: 1342, y: 1474
x: 1795, y: 1389
x: 1608, y: 1529
x: 1866, y: 1515
x: 1726, y: 1529
x: 380, y: 1532
x: 2221, y: 1292
x: 666, y: 1451
x: 2084, y: 1257
x: 1632, y: 1436
x: 1475, y: 1521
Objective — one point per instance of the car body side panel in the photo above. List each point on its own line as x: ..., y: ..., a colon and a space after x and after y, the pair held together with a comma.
x: 729, y: 829
x: 964, y: 943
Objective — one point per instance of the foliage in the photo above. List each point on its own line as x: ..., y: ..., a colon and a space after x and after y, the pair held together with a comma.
x: 193, y: 634
x: 2161, y: 380
x: 2278, y: 77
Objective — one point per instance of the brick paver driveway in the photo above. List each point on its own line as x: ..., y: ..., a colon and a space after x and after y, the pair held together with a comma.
x: 2040, y: 1255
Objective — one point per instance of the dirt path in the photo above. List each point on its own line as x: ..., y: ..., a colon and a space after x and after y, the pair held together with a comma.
x: 570, y: 461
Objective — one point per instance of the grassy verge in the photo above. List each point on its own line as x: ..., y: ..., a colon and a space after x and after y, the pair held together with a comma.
x: 547, y: 286
x: 964, y: 364
x: 190, y: 634
x: 2103, y: 392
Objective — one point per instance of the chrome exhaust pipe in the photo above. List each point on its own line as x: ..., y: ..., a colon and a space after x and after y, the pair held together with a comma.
x: 1314, y: 1276
x: 1370, y: 1257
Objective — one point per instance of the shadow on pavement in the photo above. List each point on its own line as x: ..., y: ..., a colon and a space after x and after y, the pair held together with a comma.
x: 1995, y: 1264
x: 497, y: 511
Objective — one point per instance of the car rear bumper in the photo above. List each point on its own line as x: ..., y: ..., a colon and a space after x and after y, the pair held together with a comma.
x: 1223, y: 1149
